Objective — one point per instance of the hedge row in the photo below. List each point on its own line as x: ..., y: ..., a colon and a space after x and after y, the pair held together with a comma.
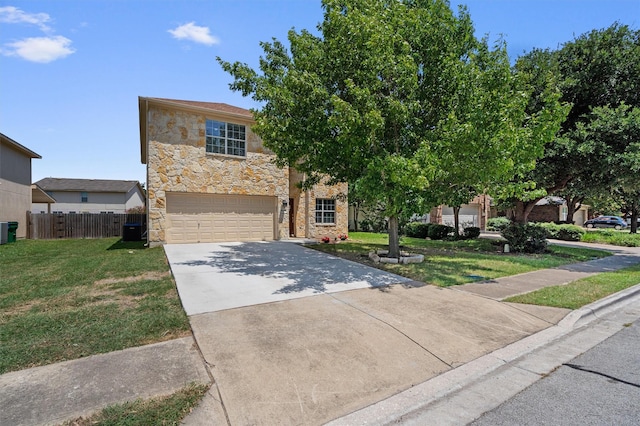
x: 436, y: 231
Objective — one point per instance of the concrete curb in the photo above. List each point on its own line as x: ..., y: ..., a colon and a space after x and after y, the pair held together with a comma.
x: 598, y: 308
x: 492, y: 378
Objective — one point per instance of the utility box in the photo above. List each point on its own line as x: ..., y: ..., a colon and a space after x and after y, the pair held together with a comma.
x: 4, y: 232
x: 132, y: 232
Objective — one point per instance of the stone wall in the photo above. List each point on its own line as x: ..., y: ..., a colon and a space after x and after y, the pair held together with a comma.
x: 304, y: 207
x: 342, y: 214
x: 177, y: 162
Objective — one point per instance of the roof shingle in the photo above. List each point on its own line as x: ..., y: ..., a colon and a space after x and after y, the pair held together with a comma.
x: 86, y: 185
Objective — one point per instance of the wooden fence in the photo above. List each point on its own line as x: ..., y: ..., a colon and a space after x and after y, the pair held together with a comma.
x: 46, y: 226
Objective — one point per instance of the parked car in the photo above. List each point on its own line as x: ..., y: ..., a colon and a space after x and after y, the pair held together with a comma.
x: 606, y: 222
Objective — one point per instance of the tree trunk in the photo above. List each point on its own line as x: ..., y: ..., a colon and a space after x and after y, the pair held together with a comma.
x: 394, y: 239
x: 456, y: 220
x: 356, y: 212
x: 573, y: 204
x: 634, y: 218
x: 522, y: 209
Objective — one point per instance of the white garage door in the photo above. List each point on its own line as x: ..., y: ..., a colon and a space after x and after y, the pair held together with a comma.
x: 210, y: 218
x: 468, y: 215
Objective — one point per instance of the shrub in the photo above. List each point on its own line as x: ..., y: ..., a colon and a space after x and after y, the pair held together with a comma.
x: 440, y: 232
x: 527, y: 238
x: 563, y: 232
x: 497, y: 223
x: 471, y: 233
x: 417, y: 229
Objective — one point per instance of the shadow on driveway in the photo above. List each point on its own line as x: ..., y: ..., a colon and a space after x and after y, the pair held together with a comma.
x: 228, y: 275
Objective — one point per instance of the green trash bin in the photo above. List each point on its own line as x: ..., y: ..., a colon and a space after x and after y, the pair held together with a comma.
x: 11, y: 237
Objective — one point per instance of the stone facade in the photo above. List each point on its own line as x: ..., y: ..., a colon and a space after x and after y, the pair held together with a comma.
x: 303, y: 204
x: 174, y: 151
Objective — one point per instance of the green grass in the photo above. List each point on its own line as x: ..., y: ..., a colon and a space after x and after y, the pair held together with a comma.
x: 610, y: 236
x: 169, y: 410
x: 66, y: 299
x: 450, y: 263
x: 582, y: 292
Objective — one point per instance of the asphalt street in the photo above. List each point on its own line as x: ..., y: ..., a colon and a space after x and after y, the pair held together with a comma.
x: 599, y: 387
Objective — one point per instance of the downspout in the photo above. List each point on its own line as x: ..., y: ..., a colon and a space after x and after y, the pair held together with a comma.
x: 146, y: 156
x: 307, y: 219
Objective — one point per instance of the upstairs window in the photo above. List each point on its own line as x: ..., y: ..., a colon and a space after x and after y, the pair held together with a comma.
x: 226, y: 138
x: 325, y: 211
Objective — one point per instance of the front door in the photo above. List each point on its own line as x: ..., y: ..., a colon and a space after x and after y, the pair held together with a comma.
x: 292, y: 219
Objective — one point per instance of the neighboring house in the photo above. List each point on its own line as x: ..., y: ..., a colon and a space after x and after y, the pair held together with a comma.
x: 15, y: 183
x: 210, y: 179
x: 90, y: 195
x: 554, y: 209
x: 475, y: 213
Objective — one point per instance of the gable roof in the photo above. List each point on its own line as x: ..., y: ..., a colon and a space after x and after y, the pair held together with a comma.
x: 193, y: 106
x: 86, y: 185
x: 39, y: 196
x: 15, y: 145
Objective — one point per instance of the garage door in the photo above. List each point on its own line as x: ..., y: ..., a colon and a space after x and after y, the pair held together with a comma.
x: 200, y: 218
x: 468, y: 215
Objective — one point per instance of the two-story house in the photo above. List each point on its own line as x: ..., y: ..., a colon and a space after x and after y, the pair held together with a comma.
x: 210, y: 179
x: 15, y: 183
x: 90, y: 195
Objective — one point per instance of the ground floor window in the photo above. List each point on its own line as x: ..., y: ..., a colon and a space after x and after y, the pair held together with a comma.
x: 325, y: 211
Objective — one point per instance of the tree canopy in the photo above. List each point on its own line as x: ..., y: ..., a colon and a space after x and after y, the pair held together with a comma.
x: 597, y: 69
x: 396, y: 95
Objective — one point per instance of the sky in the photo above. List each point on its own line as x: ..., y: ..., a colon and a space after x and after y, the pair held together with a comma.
x: 71, y: 71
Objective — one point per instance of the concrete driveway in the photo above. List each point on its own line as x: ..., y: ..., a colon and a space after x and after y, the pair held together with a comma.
x: 217, y: 276
x: 356, y: 341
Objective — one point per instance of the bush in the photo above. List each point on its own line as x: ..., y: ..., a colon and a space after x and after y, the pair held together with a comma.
x: 527, y: 238
x: 440, y: 232
x: 563, y: 232
x: 417, y: 229
x: 497, y: 223
x: 471, y: 233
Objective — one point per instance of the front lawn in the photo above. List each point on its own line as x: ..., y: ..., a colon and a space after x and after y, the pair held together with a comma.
x: 66, y: 299
x: 167, y: 410
x: 582, y: 292
x: 450, y: 263
x: 610, y: 236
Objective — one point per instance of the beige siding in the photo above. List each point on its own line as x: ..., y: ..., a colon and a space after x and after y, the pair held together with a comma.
x: 15, y: 200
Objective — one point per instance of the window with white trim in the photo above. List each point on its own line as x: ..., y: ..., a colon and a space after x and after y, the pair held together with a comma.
x: 84, y: 197
x: 226, y: 138
x: 325, y: 211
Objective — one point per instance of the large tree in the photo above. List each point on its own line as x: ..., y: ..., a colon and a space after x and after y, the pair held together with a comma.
x: 614, y: 135
x: 597, y: 69
x: 381, y: 97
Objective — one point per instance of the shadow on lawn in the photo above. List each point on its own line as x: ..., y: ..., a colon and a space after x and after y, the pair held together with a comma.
x: 127, y: 245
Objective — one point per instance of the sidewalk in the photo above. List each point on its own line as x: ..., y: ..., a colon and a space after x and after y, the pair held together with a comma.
x: 55, y: 393
x: 396, y: 336
x: 501, y: 288
x: 460, y: 396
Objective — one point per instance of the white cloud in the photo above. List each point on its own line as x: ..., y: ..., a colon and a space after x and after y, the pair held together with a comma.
x: 34, y: 49
x: 194, y: 33
x: 13, y: 15
x: 40, y: 49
